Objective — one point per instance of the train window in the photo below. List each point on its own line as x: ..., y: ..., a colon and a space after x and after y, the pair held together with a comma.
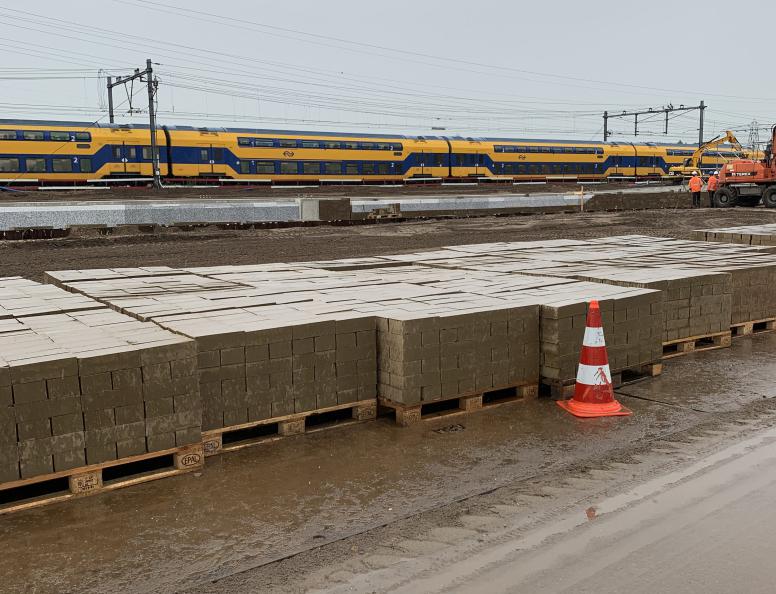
x: 333, y: 168
x: 350, y: 145
x: 311, y: 168
x: 131, y: 152
x: 263, y: 142
x: 330, y: 144
x: 9, y: 165
x: 351, y: 168
x: 32, y: 135
x: 7, y: 135
x: 204, y: 155
x: 245, y: 142
x: 265, y: 167
x: 287, y: 143
x: 313, y: 144
x: 86, y: 165
x: 368, y: 168
x: 288, y: 167
x: 61, y: 165
x: 397, y: 146
x: 498, y: 149
x: 245, y: 166
x: 35, y: 165
x: 383, y: 146
x: 147, y: 153
x: 83, y: 137
x: 60, y: 136
x: 367, y: 146
x: 218, y: 154
x: 117, y: 153
x: 383, y: 168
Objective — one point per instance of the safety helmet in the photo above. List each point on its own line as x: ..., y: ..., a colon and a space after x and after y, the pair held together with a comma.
x: 695, y: 173
x: 716, y: 173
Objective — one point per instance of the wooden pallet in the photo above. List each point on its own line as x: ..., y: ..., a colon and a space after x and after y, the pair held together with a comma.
x: 563, y: 390
x: 753, y: 327
x: 407, y: 414
x: 90, y: 480
x: 693, y: 344
x: 237, y: 437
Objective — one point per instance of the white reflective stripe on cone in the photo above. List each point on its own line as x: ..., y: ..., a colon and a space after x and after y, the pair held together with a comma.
x: 594, y: 337
x: 594, y: 375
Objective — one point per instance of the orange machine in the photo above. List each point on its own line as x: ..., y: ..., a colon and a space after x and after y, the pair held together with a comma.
x: 745, y: 182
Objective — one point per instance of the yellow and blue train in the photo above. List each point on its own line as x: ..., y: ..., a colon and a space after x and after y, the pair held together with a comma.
x: 71, y: 153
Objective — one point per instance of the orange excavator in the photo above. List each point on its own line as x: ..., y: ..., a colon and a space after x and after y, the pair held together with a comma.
x: 747, y: 182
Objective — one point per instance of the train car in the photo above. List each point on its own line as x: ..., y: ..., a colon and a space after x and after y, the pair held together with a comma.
x: 289, y: 156
x: 74, y: 152
x: 52, y: 153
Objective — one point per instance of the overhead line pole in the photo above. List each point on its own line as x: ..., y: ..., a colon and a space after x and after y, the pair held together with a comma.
x: 152, y: 123
x: 148, y: 73
x: 110, y: 99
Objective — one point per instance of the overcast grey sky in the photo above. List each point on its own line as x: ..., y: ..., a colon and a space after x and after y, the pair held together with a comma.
x: 507, y: 68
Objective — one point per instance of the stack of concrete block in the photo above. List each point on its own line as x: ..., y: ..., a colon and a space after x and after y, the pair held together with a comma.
x: 757, y: 235
x: 752, y: 270
x: 695, y: 302
x: 632, y: 321
x: 424, y: 358
x: 89, y: 387
x: 278, y: 361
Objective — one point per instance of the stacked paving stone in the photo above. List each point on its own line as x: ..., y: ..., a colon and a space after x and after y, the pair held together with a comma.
x: 266, y: 347
x: 88, y: 386
x: 752, y: 270
x: 278, y: 361
x: 280, y: 339
x: 632, y: 321
x: 757, y: 235
x: 425, y: 358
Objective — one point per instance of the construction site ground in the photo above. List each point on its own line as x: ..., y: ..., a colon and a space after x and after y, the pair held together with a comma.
x: 373, y: 507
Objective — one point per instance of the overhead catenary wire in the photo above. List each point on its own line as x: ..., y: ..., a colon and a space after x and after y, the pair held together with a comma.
x: 304, y: 88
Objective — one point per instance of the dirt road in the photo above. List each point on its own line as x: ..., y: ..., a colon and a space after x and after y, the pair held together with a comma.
x: 207, y: 247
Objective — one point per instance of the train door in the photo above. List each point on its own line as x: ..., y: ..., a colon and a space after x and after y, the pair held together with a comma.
x: 206, y: 161
x: 422, y: 162
x: 130, y: 159
x: 477, y: 157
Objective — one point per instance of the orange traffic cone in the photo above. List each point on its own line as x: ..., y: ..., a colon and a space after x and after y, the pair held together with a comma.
x: 594, y: 394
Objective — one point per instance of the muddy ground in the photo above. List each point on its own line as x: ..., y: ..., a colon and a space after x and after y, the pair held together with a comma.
x: 204, y: 247
x: 325, y: 510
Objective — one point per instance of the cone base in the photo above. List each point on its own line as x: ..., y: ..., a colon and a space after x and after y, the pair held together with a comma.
x: 586, y: 410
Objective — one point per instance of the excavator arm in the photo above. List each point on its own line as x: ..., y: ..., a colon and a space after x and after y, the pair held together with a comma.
x: 691, y: 164
x: 729, y: 138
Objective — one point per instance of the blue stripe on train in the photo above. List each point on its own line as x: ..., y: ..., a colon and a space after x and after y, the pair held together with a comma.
x: 193, y: 156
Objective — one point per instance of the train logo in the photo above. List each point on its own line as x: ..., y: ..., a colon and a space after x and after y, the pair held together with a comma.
x: 288, y: 154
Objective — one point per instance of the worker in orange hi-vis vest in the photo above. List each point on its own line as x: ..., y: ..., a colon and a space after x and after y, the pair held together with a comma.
x: 696, y: 185
x: 711, y: 187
